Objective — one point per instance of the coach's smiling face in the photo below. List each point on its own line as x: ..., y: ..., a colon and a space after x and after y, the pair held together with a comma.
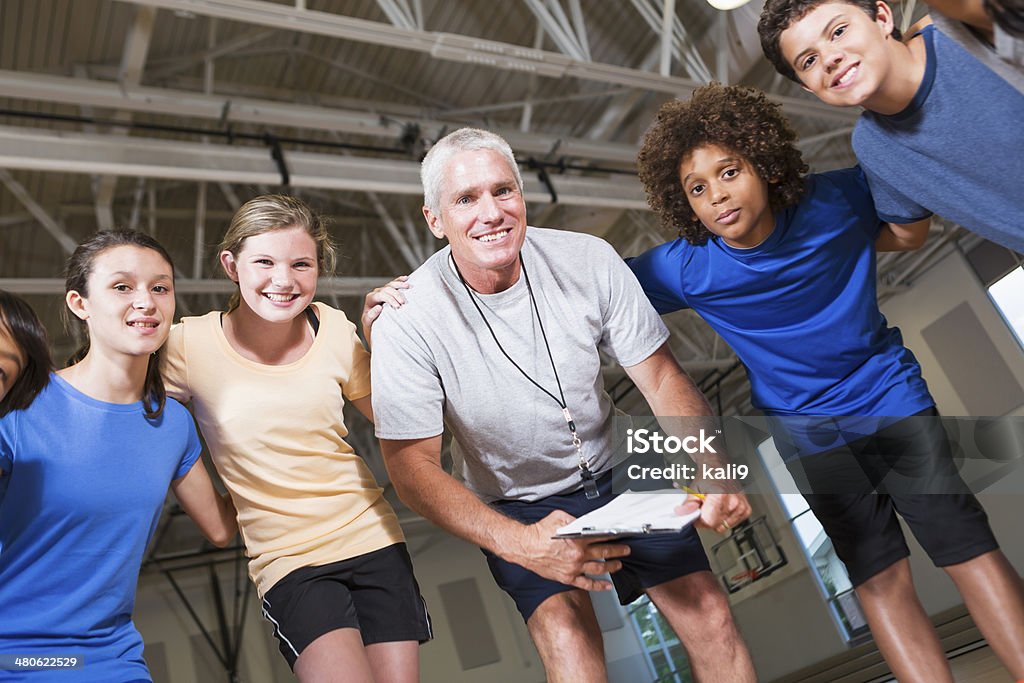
x: 483, y: 215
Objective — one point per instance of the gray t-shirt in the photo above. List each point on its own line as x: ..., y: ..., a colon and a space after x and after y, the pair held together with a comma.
x: 434, y: 363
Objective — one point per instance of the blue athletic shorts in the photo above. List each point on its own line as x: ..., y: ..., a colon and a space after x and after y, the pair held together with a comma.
x: 653, y: 560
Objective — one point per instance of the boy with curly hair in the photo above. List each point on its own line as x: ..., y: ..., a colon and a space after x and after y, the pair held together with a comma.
x: 782, y: 266
x: 941, y: 132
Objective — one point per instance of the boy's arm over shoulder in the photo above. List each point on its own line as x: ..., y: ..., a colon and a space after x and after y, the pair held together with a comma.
x: 903, y: 237
x: 889, y: 234
x: 878, y: 198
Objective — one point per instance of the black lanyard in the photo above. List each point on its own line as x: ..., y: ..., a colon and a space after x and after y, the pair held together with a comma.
x: 589, y: 484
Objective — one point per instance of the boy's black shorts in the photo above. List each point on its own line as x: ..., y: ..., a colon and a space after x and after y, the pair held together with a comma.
x: 375, y: 593
x: 861, y: 486
x: 653, y: 560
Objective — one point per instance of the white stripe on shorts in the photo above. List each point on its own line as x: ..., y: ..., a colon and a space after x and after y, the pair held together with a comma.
x: 277, y: 628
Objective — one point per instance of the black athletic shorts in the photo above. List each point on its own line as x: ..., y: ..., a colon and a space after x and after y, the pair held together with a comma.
x: 653, y: 560
x: 375, y: 593
x: 861, y: 486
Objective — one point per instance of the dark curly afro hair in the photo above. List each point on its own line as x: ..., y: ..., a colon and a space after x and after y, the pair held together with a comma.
x: 739, y: 119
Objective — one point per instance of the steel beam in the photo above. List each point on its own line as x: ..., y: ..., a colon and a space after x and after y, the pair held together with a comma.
x: 576, y: 28
x: 133, y: 61
x: 136, y: 213
x: 67, y: 152
x: 459, y: 48
x: 580, y: 25
x: 722, y: 47
x: 667, y: 14
x: 225, y: 110
x: 38, y: 212
x: 412, y: 260
x: 164, y: 68
x: 680, y: 44
x: 562, y: 35
x: 199, y: 244
x: 398, y: 13
x: 165, y: 213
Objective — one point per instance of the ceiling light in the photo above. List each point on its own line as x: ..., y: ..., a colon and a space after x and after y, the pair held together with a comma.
x: 727, y: 4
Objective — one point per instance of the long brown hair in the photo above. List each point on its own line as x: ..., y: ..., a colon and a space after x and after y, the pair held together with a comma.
x: 76, y: 278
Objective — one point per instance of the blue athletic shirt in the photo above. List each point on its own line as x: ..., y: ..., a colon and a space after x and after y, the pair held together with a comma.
x: 83, y: 486
x: 800, y: 309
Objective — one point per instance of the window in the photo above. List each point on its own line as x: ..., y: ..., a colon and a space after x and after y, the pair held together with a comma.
x: 1001, y: 272
x: 665, y: 654
x: 831, y: 575
x: 1007, y: 294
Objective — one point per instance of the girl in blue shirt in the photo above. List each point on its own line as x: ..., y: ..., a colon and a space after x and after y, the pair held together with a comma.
x: 86, y: 470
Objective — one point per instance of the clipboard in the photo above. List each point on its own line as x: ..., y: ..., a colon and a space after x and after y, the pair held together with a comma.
x: 632, y: 514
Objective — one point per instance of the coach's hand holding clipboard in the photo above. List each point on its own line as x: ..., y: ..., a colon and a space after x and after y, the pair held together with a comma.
x: 638, y: 514
x: 634, y: 514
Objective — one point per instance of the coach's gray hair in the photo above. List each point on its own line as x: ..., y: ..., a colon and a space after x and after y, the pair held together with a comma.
x: 435, y: 164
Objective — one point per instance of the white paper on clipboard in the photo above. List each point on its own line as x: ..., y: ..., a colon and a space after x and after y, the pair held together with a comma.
x: 632, y: 514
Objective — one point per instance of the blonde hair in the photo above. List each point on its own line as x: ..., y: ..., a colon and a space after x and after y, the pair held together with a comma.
x: 279, y: 212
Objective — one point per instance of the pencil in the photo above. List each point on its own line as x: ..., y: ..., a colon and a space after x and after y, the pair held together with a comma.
x: 692, y: 492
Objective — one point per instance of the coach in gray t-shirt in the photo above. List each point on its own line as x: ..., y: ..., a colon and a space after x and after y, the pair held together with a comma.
x: 499, y: 339
x: 510, y: 440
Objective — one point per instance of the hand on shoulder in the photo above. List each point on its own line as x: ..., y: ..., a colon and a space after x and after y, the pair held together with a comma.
x: 375, y: 300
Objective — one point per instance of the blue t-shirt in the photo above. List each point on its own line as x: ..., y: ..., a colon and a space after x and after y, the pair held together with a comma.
x: 956, y: 150
x: 800, y: 309
x: 83, y: 486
